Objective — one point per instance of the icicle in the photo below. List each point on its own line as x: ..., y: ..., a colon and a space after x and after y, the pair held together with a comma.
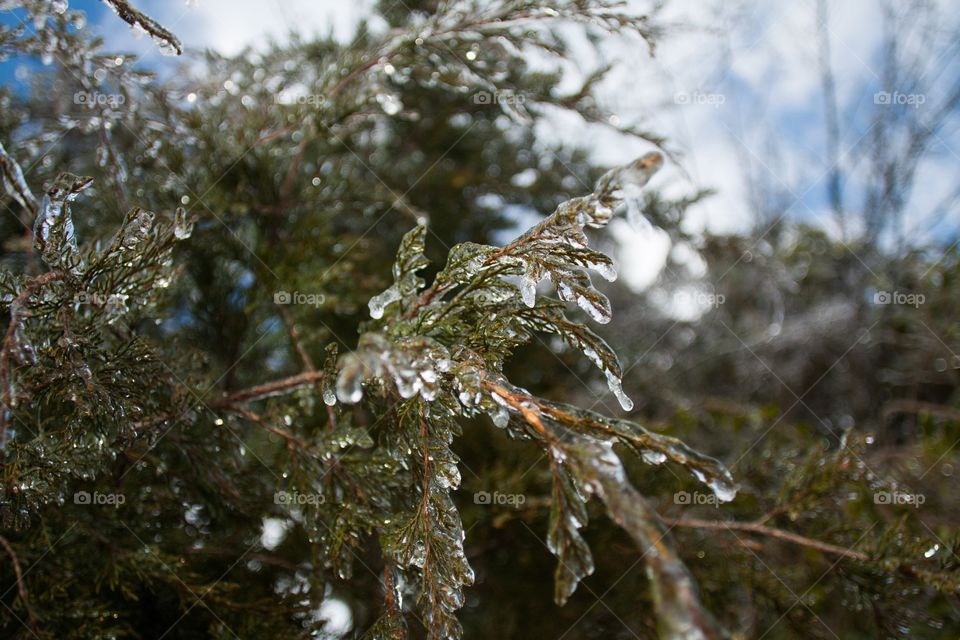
x: 606, y: 271
x: 616, y: 387
x: 182, y: 224
x: 378, y: 303
x: 598, y: 314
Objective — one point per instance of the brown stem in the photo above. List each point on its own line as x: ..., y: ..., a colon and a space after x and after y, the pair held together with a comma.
x: 761, y: 529
x: 266, y: 389
x: 925, y: 408
x: 21, y: 586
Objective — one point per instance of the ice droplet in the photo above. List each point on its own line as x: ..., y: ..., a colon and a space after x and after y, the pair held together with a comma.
x: 182, y: 224
x: 379, y: 302
x: 723, y: 488
x: 654, y: 457
x: 724, y: 491
x: 528, y: 291
x: 329, y: 397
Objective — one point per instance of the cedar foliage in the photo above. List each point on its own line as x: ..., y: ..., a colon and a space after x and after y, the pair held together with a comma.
x: 235, y: 347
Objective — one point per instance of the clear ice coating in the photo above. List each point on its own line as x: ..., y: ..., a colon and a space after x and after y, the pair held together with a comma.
x: 379, y: 302
x: 53, y: 234
x: 723, y: 488
x: 606, y: 271
x: 138, y: 227
x: 616, y: 386
x: 14, y: 182
x: 166, y: 42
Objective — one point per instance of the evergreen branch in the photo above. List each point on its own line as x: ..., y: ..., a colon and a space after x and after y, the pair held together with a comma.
x: 17, y: 307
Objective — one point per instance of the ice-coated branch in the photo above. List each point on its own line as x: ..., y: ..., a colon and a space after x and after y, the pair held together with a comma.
x: 168, y: 43
x: 15, y: 184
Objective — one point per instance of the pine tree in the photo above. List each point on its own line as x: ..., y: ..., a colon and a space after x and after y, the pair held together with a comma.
x: 301, y: 317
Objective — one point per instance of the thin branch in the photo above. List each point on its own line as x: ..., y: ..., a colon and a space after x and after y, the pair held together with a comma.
x: 21, y: 586
x: 268, y: 389
x: 761, y: 529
